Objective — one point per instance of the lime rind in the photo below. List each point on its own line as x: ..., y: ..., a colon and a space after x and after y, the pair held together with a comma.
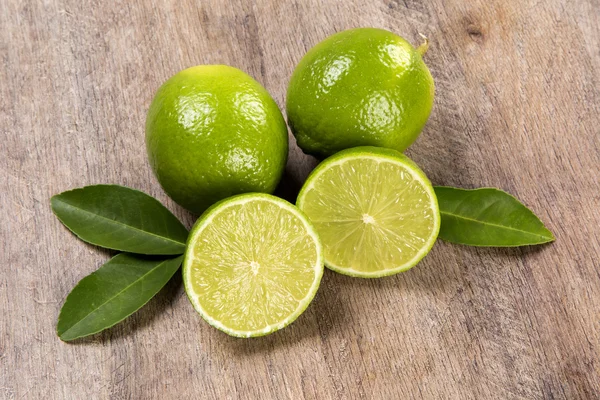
x: 205, y: 221
x: 359, y: 87
x: 213, y: 131
x: 378, y: 154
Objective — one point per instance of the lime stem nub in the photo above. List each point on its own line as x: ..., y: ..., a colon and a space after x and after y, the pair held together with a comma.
x: 422, y: 49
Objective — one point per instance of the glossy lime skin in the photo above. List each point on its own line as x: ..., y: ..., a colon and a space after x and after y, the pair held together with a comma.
x: 360, y: 87
x: 211, y: 132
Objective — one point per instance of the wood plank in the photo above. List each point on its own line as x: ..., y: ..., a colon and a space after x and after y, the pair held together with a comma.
x: 517, y: 107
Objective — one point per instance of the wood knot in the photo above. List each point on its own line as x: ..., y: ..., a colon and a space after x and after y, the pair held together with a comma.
x: 475, y: 33
x: 393, y: 5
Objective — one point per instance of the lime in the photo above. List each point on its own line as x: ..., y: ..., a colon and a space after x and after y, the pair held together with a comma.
x: 211, y: 132
x: 374, y: 209
x: 360, y: 87
x: 252, y: 265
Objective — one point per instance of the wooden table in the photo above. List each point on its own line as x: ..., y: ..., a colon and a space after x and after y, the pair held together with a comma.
x: 517, y: 107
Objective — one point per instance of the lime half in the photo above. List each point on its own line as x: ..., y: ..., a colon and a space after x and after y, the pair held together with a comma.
x: 374, y: 209
x: 252, y: 265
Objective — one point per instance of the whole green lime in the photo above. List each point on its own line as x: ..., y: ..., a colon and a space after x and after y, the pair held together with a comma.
x: 211, y: 132
x: 359, y: 87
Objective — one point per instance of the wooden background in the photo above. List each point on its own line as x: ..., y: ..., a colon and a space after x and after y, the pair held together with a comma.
x: 517, y: 107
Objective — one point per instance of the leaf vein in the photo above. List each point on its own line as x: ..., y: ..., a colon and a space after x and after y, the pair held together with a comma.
x: 494, y: 225
x: 121, y: 224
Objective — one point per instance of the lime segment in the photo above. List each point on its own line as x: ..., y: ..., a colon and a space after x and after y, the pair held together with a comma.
x: 374, y: 209
x: 253, y: 264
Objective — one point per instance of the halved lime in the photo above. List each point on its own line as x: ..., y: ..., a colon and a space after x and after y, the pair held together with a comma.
x: 374, y: 209
x: 252, y: 265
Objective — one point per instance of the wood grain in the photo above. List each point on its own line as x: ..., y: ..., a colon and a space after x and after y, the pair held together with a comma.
x: 517, y: 107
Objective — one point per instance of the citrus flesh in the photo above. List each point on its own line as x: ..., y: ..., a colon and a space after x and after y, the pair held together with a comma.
x: 252, y: 265
x: 374, y: 210
x: 211, y: 132
x: 360, y: 87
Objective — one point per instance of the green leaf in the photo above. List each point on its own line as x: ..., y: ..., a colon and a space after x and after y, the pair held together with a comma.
x: 120, y: 218
x: 112, y: 293
x: 488, y: 217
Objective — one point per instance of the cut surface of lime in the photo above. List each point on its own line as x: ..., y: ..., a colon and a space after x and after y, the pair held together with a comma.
x: 252, y: 265
x: 374, y: 210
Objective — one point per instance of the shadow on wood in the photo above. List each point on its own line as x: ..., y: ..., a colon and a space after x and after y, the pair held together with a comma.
x: 325, y: 313
x: 288, y: 187
x: 505, y: 252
